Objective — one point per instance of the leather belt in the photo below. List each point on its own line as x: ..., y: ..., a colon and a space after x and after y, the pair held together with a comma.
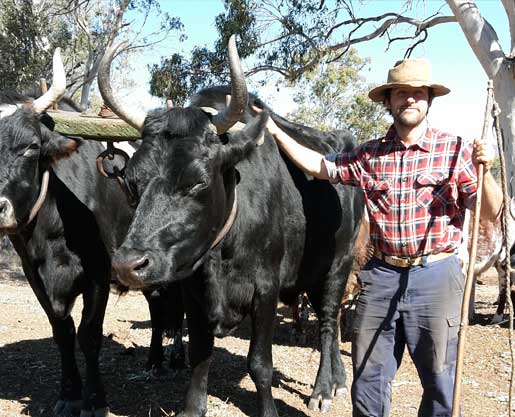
x: 407, y: 262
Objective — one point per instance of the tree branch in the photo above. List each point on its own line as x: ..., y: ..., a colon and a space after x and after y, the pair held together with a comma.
x: 338, y: 49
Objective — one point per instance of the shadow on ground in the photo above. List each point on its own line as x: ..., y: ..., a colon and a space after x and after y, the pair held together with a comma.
x: 30, y: 372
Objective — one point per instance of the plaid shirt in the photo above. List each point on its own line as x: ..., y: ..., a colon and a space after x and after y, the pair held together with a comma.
x: 416, y: 196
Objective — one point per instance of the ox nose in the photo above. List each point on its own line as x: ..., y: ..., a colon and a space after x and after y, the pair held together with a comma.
x: 7, y: 218
x: 131, y: 267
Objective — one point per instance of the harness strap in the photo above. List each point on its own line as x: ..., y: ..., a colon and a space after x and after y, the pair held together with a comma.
x: 228, y: 224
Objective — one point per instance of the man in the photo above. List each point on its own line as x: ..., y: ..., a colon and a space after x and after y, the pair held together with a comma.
x: 418, y: 181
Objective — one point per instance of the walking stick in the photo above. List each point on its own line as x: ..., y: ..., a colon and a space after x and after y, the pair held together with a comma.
x: 470, y: 270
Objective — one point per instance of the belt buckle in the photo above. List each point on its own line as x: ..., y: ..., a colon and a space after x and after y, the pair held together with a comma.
x: 399, y: 262
x: 405, y: 262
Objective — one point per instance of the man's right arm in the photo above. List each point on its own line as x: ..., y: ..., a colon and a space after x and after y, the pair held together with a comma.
x: 306, y: 159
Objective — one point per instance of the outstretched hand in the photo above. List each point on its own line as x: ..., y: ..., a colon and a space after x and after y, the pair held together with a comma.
x: 483, y: 154
x: 270, y: 125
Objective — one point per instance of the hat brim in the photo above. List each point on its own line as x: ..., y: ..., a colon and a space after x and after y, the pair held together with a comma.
x: 377, y: 94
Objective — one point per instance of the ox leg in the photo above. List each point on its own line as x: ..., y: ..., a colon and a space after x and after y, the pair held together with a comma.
x: 63, y: 332
x: 259, y: 359
x: 300, y: 316
x: 167, y: 315
x: 157, y: 311
x: 94, y: 402
x: 331, y: 375
x: 200, y: 349
x: 70, y: 397
x: 177, y: 354
x: 498, y: 316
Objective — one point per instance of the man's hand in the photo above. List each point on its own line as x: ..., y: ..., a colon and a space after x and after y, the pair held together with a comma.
x: 270, y: 125
x: 483, y: 154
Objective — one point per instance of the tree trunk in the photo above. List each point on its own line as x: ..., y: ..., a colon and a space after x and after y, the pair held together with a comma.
x: 504, y: 87
x: 84, y: 98
x: 497, y: 65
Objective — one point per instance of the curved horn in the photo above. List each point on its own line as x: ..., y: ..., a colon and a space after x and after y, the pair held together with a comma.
x: 57, y: 89
x: 133, y: 117
x: 239, y: 95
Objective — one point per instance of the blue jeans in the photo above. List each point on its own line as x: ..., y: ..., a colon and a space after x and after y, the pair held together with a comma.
x: 417, y: 307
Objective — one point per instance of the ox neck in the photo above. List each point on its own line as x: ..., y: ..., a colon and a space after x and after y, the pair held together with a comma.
x: 228, y: 223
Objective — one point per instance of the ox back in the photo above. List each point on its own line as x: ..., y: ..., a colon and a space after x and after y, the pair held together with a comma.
x: 66, y: 250
x: 291, y: 234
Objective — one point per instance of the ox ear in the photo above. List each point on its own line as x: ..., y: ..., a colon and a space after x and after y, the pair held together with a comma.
x: 55, y: 146
x: 241, y: 143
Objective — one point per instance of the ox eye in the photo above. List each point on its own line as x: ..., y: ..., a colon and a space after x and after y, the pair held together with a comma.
x: 197, y: 187
x: 32, y: 149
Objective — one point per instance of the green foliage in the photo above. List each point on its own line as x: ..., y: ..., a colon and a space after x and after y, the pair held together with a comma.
x: 330, y: 95
x: 495, y: 170
x: 28, y: 38
x: 334, y: 96
x: 294, y: 36
x: 30, y: 30
x: 283, y: 35
x: 177, y: 78
x: 239, y: 20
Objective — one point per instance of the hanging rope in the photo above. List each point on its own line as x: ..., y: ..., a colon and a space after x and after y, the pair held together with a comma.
x: 506, y: 233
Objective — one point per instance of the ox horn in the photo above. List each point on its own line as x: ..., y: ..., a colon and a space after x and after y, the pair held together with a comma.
x: 57, y: 89
x: 239, y: 95
x: 135, y: 118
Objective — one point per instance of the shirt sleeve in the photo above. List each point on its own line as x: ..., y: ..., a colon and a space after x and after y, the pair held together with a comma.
x: 344, y: 167
x: 467, y: 177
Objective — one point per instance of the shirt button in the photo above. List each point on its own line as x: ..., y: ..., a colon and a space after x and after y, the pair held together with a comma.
x: 404, y: 244
x: 404, y: 179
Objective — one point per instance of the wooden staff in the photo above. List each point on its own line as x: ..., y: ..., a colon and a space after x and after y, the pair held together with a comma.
x: 470, y: 270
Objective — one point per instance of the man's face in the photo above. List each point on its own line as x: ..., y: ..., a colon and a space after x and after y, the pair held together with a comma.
x: 408, y: 105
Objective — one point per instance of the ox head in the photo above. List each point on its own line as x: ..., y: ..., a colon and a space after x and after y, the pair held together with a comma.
x: 185, y: 181
x: 27, y: 148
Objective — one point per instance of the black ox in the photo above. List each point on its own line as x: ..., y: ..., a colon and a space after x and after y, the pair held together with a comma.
x: 64, y: 221
x: 241, y: 226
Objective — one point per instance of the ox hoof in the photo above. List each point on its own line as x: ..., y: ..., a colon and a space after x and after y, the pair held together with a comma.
x: 184, y: 414
x: 341, y: 392
x: 100, y: 412
x: 497, y: 318
x: 320, y: 404
x: 326, y: 405
x: 67, y: 408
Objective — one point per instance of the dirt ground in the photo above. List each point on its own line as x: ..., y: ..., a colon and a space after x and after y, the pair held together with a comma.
x: 29, y: 363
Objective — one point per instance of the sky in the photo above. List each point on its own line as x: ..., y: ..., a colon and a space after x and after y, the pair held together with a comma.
x: 454, y: 65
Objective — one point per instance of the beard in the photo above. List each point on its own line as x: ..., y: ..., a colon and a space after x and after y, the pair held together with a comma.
x: 408, y: 118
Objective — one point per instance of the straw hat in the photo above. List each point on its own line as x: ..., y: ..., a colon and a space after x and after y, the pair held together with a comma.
x: 408, y: 73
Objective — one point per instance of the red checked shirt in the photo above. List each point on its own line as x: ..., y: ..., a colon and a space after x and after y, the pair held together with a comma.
x: 416, y: 196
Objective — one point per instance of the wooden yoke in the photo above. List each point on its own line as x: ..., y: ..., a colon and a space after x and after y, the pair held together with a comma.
x: 112, y: 129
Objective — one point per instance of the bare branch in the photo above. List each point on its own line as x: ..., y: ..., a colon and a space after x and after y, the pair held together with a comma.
x: 412, y: 47
x: 69, y: 7
x: 261, y: 68
x: 332, y: 52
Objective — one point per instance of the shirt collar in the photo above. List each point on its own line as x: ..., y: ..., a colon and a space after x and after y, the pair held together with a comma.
x: 423, y: 143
